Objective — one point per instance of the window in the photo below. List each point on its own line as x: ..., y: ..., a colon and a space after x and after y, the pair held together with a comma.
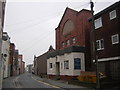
x: 100, y: 44
x: 66, y: 64
x: 115, y: 39
x: 68, y: 27
x: 98, y: 23
x: 50, y: 66
x: 73, y: 40
x: 77, y: 63
x: 112, y: 14
x: 63, y: 44
x: 68, y: 42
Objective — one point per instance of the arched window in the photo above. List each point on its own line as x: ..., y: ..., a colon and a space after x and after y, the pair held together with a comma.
x: 68, y: 27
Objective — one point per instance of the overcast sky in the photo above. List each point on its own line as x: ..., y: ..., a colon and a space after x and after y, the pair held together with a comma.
x: 31, y: 23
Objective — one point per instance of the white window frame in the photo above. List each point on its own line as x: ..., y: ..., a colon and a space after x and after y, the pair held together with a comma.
x: 116, y: 35
x: 98, y: 23
x: 100, y: 44
x: 66, y: 64
x: 112, y: 13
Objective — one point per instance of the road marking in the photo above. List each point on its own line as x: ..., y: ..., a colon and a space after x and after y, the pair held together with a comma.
x: 46, y: 83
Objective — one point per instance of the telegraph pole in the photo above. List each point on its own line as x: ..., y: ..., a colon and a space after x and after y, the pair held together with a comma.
x: 95, y: 46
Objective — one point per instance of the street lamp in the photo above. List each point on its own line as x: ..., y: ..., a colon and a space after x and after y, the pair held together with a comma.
x: 95, y: 46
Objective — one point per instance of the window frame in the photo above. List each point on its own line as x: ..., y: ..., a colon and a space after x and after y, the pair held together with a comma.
x: 98, y: 23
x: 66, y: 64
x: 100, y: 44
x: 117, y: 38
x: 76, y: 64
x: 110, y: 14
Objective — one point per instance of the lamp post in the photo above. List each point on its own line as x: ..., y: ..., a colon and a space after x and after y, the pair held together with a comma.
x: 95, y: 46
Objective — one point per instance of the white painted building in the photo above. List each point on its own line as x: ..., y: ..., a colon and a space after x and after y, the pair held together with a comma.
x: 68, y: 62
x: 5, y: 54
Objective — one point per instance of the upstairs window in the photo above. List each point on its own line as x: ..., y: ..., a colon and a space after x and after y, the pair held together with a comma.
x: 63, y: 44
x: 112, y: 14
x: 98, y: 23
x: 68, y: 42
x: 100, y: 44
x: 115, y: 39
x: 73, y: 40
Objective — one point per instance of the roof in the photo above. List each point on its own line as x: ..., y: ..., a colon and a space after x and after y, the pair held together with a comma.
x: 117, y: 4
x: 70, y: 10
x: 66, y: 50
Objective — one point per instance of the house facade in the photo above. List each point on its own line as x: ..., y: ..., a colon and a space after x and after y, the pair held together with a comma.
x: 40, y: 63
x: 15, y: 63
x: 107, y: 26
x: 11, y: 58
x: 23, y: 66
x: 2, y: 10
x: 5, y: 54
x: 72, y: 45
x: 20, y: 58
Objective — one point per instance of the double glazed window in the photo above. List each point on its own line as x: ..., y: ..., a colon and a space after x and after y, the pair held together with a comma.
x: 112, y: 14
x: 115, y: 39
x: 98, y: 23
x: 100, y: 44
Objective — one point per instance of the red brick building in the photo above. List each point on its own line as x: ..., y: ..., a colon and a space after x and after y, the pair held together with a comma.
x: 72, y: 53
x: 11, y: 58
x: 107, y: 25
x: 73, y: 30
x: 20, y: 58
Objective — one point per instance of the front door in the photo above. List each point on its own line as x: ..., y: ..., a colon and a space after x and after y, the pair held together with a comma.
x: 57, y: 68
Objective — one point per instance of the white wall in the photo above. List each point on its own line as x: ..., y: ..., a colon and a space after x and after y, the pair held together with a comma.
x: 61, y: 59
x: 5, y: 50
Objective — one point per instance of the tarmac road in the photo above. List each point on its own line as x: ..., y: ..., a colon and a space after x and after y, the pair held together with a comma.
x: 25, y: 80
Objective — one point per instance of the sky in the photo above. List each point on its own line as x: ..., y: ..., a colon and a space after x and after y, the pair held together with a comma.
x: 31, y: 23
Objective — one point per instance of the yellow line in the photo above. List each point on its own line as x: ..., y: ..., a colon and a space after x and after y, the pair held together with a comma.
x: 46, y: 83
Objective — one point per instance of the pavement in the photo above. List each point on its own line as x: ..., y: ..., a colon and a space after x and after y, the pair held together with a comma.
x: 59, y: 83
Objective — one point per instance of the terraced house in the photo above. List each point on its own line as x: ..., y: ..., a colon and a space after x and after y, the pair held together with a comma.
x: 107, y: 26
x: 72, y: 45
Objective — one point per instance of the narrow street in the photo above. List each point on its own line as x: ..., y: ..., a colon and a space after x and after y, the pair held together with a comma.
x: 28, y: 80
x: 24, y: 81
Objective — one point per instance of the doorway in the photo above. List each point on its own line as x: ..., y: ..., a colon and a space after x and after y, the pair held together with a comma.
x: 57, y: 68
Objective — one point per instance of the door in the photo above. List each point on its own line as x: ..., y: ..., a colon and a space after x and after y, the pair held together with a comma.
x: 57, y: 68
